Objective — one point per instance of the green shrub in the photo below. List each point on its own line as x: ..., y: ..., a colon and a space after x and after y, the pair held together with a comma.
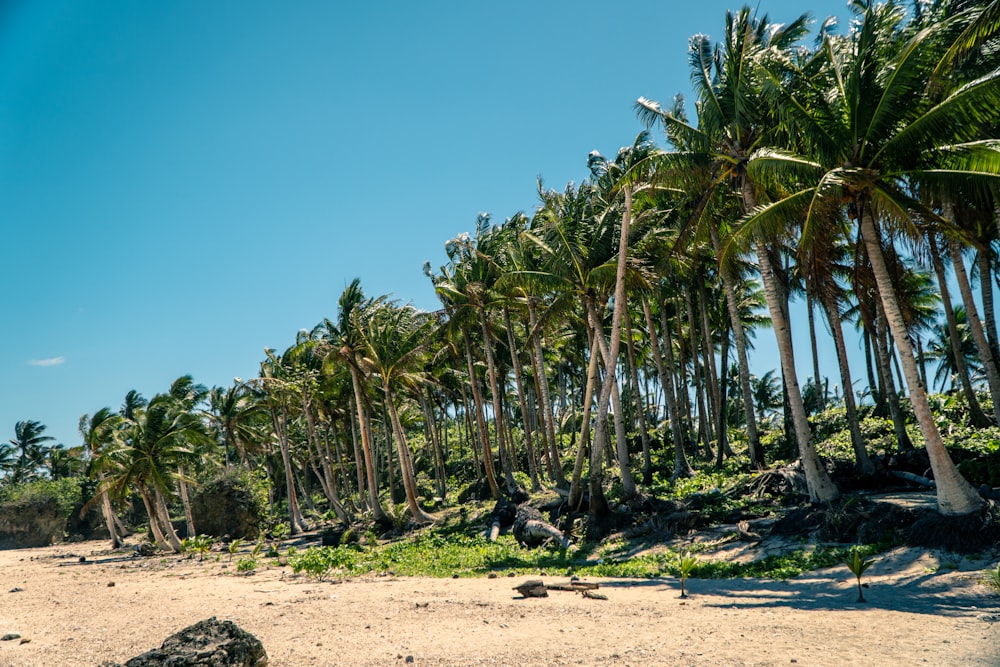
x: 246, y: 564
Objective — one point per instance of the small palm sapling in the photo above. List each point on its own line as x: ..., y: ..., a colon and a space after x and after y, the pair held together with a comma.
x: 857, y: 564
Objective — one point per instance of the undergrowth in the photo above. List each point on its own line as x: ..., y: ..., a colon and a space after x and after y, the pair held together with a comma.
x: 434, y: 555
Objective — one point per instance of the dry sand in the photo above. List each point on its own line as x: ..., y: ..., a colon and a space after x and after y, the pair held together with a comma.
x: 922, y: 608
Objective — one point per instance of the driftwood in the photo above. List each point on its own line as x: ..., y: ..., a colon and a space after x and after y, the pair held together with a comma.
x: 574, y: 586
x: 916, y: 479
x: 536, y: 588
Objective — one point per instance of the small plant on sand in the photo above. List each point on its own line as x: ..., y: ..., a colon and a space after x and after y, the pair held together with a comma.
x: 686, y: 564
x: 234, y: 547
x: 246, y: 565
x: 992, y: 578
x: 280, y: 531
x: 200, y: 544
x: 857, y: 564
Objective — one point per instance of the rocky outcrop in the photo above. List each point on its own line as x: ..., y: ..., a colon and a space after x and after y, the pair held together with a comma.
x: 30, y: 522
x: 208, y: 643
x: 227, y: 507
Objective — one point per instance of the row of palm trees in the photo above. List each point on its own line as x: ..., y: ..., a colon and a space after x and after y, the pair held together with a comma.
x: 618, y: 319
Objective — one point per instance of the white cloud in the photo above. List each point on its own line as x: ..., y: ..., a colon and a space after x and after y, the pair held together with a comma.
x: 53, y: 361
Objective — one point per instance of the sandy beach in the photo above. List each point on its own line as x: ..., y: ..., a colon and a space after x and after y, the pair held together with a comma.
x: 922, y: 608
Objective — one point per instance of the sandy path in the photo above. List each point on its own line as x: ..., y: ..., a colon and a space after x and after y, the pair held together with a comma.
x: 918, y: 613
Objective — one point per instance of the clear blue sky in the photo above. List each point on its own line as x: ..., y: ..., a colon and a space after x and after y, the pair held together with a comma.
x: 183, y: 184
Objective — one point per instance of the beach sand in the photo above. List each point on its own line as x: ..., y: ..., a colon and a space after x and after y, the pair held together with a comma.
x: 922, y: 607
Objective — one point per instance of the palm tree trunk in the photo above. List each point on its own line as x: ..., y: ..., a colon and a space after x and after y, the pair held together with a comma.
x: 985, y: 263
x: 862, y: 460
x: 640, y: 403
x: 739, y: 339
x: 975, y: 324
x: 721, y: 425
x: 611, y: 380
x: 979, y: 418
x: 820, y: 393
x: 378, y: 512
x: 432, y: 436
x: 544, y: 397
x: 359, y: 464
x: 575, y: 489
x: 405, y: 461
x: 154, y: 523
x: 280, y: 422
x: 186, y: 502
x: 484, y: 436
x: 108, y: 511
x: 955, y: 495
x: 821, y: 487
x: 523, y: 400
x: 681, y: 466
x: 505, y: 454
x: 163, y: 514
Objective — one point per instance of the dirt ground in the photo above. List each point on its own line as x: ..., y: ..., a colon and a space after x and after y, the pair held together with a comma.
x: 922, y: 608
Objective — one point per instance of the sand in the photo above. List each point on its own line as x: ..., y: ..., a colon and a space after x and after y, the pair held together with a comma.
x: 922, y: 607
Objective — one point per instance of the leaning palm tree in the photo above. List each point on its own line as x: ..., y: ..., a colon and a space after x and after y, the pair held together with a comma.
x: 872, y: 133
x: 98, y: 433
x: 394, y: 340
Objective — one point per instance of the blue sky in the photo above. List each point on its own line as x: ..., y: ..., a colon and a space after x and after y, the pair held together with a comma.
x: 184, y: 184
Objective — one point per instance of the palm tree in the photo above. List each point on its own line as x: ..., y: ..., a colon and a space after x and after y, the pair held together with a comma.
x: 394, y: 339
x: 28, y: 450
x: 152, y: 447
x: 947, y: 338
x: 873, y: 132
x: 98, y: 433
x: 734, y: 121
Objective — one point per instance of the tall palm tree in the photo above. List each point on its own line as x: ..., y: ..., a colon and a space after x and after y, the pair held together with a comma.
x: 394, y: 340
x: 872, y: 133
x: 98, y: 433
x: 733, y: 122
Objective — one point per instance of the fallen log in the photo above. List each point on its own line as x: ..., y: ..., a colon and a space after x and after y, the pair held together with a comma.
x: 916, y: 479
x: 574, y: 586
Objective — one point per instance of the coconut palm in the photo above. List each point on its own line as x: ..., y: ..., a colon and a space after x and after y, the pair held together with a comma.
x: 394, y: 339
x: 733, y: 122
x: 28, y: 450
x: 99, y: 432
x: 872, y: 132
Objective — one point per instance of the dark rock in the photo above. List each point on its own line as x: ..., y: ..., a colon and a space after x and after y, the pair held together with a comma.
x: 145, y: 549
x: 208, y: 643
x: 330, y: 537
x: 533, y: 588
x: 228, y: 506
x: 10, y: 636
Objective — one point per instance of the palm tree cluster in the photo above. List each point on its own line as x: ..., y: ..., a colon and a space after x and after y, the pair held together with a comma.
x: 576, y: 345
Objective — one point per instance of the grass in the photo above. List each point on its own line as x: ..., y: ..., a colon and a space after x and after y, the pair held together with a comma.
x: 432, y: 554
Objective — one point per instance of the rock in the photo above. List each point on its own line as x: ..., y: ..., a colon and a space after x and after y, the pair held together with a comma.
x: 16, y: 590
x: 145, y: 549
x: 227, y: 506
x: 30, y: 522
x: 208, y: 643
x: 10, y: 636
x: 533, y: 588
